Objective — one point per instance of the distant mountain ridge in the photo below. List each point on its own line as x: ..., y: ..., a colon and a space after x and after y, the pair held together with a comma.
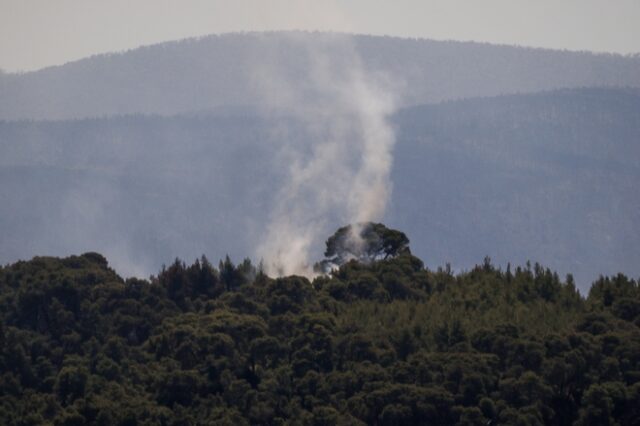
x: 548, y: 177
x: 544, y: 176
x: 209, y: 72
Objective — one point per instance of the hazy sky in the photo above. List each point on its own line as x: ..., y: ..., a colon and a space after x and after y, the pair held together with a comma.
x: 38, y: 33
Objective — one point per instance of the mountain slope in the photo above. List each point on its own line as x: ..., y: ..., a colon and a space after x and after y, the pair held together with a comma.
x: 199, y: 74
x: 549, y: 177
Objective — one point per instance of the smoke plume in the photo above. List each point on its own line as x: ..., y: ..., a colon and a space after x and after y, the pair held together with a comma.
x: 343, y: 176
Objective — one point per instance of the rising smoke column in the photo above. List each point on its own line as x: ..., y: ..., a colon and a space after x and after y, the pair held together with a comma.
x: 345, y: 174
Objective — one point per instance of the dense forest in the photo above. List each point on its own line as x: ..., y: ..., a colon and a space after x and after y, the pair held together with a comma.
x: 385, y: 341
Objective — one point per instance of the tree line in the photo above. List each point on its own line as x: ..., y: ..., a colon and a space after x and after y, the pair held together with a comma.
x: 384, y: 342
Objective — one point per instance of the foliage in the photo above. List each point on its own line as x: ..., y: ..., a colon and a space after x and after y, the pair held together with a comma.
x: 387, y: 342
x: 364, y: 242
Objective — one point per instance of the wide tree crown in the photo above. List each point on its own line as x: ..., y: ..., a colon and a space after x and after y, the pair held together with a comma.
x: 364, y: 242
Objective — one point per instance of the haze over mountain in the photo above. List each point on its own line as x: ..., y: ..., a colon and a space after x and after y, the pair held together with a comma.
x: 320, y: 228
x: 232, y: 69
x: 551, y: 177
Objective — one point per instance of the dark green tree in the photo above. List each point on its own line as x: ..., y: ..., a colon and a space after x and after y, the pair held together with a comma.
x: 363, y: 242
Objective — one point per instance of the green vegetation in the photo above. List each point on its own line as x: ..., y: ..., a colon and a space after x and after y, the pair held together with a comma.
x: 365, y: 242
x: 389, y: 343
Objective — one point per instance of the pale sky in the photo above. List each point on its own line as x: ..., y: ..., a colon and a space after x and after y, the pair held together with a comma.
x: 38, y: 33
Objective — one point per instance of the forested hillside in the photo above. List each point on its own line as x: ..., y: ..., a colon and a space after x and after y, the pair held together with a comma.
x: 233, y: 69
x: 515, y: 171
x: 549, y: 177
x: 390, y: 342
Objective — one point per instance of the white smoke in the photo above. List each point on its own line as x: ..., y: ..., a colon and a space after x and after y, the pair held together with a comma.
x: 344, y: 175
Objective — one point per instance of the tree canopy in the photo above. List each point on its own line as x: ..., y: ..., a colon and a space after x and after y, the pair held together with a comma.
x: 386, y: 342
x: 363, y: 242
